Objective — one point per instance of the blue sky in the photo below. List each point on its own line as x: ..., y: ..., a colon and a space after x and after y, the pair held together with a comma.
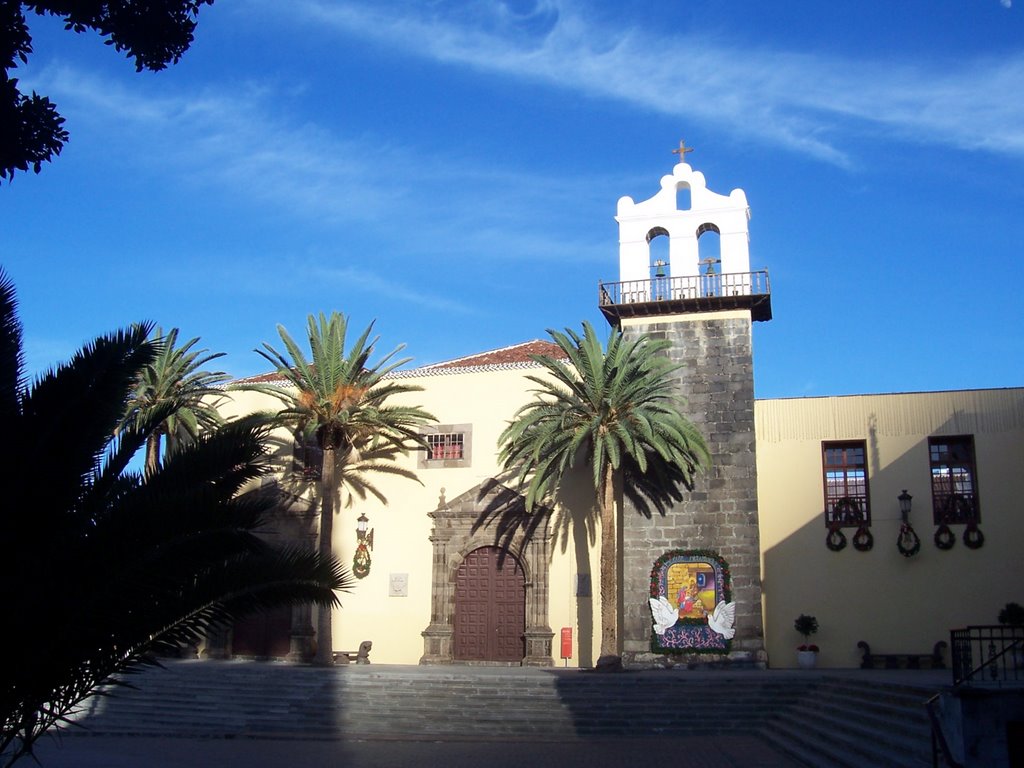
x: 451, y: 169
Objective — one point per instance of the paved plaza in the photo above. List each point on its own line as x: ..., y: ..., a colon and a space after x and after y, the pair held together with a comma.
x: 136, y: 752
x: 381, y: 740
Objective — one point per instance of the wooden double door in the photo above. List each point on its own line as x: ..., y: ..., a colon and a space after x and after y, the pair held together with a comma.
x: 265, y: 634
x: 490, y: 608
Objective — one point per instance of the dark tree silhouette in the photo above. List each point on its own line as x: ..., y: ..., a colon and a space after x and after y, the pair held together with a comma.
x: 102, y: 564
x: 153, y: 33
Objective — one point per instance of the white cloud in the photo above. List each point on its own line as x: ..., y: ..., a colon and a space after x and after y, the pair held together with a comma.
x: 348, y: 279
x: 244, y: 142
x: 794, y: 99
x: 234, y: 139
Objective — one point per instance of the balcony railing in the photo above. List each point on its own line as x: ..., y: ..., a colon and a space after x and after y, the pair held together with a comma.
x: 988, y: 655
x: 689, y: 293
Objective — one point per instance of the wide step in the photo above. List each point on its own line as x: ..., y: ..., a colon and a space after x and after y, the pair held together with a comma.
x: 819, y: 720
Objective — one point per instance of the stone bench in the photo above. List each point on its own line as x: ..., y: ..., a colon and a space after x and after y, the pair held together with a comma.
x: 933, y: 660
x: 362, y: 656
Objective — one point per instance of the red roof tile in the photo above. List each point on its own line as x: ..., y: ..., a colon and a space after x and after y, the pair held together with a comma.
x: 517, y: 353
x: 506, y: 356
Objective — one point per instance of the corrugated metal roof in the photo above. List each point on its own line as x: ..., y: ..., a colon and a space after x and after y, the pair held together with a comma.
x: 969, y: 411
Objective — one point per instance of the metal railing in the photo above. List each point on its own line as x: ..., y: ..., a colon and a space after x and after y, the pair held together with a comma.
x: 940, y: 746
x: 988, y: 655
x: 686, y: 287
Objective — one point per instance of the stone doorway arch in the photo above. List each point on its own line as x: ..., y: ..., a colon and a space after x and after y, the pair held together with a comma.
x: 454, y: 537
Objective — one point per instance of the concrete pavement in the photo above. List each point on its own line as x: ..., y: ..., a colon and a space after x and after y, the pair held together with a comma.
x: 725, y: 751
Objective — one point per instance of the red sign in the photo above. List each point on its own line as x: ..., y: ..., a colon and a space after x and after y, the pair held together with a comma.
x: 566, y: 642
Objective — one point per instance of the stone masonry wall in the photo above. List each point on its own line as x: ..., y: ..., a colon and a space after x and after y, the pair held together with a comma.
x: 717, y: 382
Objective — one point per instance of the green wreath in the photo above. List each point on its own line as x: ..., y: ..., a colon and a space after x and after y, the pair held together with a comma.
x: 973, y: 537
x: 361, y: 561
x: 944, y: 537
x: 863, y: 540
x: 836, y: 539
x: 908, y: 542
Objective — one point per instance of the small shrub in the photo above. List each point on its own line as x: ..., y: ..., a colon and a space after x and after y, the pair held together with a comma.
x: 805, y: 625
x: 1012, y: 614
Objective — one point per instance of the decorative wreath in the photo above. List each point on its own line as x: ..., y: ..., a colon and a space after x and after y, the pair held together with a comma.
x: 361, y: 561
x: 908, y: 542
x: 944, y: 537
x: 863, y: 540
x: 973, y: 537
x: 836, y: 539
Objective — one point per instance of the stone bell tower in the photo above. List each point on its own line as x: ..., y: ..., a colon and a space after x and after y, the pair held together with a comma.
x: 706, y: 308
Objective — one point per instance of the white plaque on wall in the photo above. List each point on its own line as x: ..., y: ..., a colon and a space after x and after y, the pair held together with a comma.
x: 398, y: 585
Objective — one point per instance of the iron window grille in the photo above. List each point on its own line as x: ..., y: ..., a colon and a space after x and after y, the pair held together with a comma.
x: 448, y: 445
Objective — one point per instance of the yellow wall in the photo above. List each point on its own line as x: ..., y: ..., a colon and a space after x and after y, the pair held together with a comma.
x: 896, y: 604
x: 487, y: 399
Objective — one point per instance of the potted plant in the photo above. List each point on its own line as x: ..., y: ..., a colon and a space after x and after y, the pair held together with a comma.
x: 806, y: 652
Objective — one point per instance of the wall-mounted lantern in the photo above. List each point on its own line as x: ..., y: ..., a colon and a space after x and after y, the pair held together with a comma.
x: 361, y: 559
x: 905, y: 499
x: 908, y: 542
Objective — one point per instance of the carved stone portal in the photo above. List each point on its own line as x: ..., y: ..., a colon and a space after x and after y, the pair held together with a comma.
x: 454, y: 536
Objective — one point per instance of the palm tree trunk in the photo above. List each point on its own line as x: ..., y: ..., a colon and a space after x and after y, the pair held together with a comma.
x: 609, y: 572
x: 324, y: 632
x: 152, y: 453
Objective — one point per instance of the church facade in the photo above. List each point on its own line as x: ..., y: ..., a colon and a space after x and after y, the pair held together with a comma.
x: 891, y: 518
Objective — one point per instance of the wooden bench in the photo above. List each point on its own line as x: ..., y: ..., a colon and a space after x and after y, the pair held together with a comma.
x: 362, y: 656
x: 933, y: 660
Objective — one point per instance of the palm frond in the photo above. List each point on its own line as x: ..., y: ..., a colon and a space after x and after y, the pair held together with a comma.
x: 613, y: 403
x: 341, y: 396
x: 11, y: 361
x: 106, y: 564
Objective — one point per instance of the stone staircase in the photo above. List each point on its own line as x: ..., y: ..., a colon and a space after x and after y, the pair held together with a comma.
x: 846, y: 722
x: 820, y: 719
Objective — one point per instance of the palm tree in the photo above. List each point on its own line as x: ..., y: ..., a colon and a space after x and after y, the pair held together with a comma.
x: 103, y: 564
x: 615, y: 410
x: 176, y: 374
x: 343, y: 399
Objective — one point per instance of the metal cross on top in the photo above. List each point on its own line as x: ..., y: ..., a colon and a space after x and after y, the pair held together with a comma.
x: 682, y: 151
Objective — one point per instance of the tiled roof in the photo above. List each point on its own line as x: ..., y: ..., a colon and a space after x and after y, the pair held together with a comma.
x: 261, y: 378
x: 505, y: 358
x: 517, y: 353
